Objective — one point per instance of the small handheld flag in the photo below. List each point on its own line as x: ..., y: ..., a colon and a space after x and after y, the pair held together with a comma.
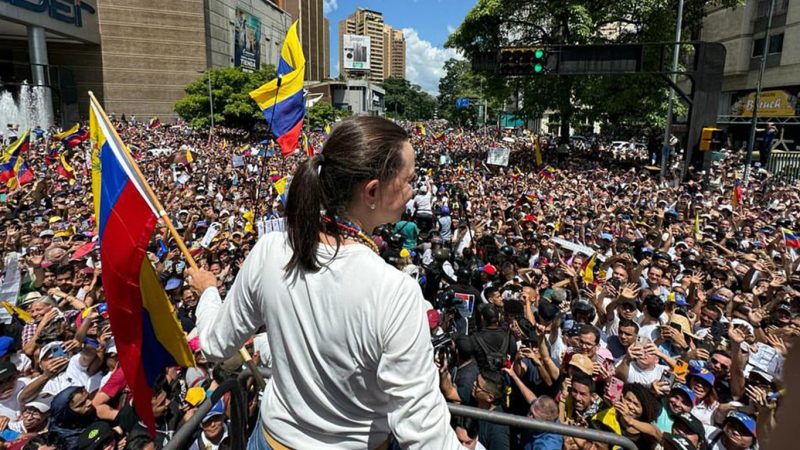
x: 790, y: 238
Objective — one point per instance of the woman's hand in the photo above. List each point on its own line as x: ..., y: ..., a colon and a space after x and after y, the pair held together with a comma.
x: 200, y: 279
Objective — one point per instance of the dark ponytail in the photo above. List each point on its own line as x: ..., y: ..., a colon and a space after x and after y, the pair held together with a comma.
x: 358, y: 149
x: 303, y: 214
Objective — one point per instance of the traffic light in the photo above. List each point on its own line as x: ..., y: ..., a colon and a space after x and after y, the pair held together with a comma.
x: 525, y: 61
x: 711, y: 139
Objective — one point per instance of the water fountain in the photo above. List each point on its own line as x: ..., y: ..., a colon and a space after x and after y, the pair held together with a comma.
x: 29, y: 110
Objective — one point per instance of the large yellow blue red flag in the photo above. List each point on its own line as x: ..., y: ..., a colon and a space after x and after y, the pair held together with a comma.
x: 12, y: 158
x: 281, y: 100
x: 146, y: 332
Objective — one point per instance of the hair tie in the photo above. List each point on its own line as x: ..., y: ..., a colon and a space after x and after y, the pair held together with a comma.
x: 319, y: 165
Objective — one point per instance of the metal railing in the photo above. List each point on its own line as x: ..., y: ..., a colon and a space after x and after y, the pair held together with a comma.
x: 185, y: 433
x: 785, y: 166
x: 527, y: 423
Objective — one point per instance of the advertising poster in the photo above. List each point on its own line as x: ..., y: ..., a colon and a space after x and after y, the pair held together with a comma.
x: 356, y: 52
x: 247, y: 42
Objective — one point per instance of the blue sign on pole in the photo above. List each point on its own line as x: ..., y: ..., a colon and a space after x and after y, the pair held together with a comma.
x: 462, y: 102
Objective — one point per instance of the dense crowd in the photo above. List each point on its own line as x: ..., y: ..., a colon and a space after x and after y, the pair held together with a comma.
x: 583, y: 291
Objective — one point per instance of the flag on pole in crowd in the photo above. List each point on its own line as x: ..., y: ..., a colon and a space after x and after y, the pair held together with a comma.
x: 248, y: 217
x: 153, y: 122
x: 737, y: 193
x: 696, y: 223
x: 790, y: 238
x: 53, y: 152
x: 15, y: 311
x: 548, y: 172
x: 146, y: 332
x: 65, y: 170
x: 420, y: 129
x: 64, y: 134
x: 587, y: 271
x: 281, y: 100
x: 14, y: 172
x: 537, y: 150
x: 308, y: 149
x: 75, y: 139
x: 327, y: 131
x: 17, y: 147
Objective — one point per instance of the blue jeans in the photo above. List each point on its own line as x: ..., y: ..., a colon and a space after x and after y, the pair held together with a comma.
x: 257, y: 440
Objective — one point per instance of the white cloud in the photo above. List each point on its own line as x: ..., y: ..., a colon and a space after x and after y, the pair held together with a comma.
x: 450, y: 29
x: 329, y: 5
x: 424, y: 61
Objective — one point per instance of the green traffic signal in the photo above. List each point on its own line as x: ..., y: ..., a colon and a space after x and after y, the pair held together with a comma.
x: 538, y: 68
x: 539, y: 53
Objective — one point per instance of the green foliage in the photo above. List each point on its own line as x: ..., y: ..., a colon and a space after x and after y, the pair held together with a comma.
x: 404, y: 100
x: 321, y: 114
x: 641, y: 99
x: 230, y: 89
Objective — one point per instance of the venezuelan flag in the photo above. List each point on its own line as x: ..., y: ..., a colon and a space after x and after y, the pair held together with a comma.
x: 145, y: 329
x: 66, y: 170
x: 421, y: 129
x: 75, y: 139
x: 327, y: 130
x: 63, y: 135
x: 791, y: 239
x: 587, y: 271
x: 17, y: 147
x: 737, y: 193
x: 24, y: 175
x: 281, y: 100
x: 15, y: 172
x: 153, y: 122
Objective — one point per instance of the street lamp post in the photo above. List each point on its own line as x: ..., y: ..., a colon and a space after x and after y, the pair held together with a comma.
x: 665, y: 149
x: 754, y: 121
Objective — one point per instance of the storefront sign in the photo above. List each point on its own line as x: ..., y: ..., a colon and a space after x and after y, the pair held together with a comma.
x: 776, y: 103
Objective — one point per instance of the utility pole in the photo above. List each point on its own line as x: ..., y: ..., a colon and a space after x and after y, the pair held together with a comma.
x: 665, y: 149
x: 754, y: 121
x: 210, y: 103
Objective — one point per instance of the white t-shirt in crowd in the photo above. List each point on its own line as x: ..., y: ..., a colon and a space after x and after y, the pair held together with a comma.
x: 10, y: 406
x: 352, y: 359
x: 646, y: 377
x: 74, y: 375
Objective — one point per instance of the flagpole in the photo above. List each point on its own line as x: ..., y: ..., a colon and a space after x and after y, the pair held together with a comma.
x: 265, y: 157
x: 168, y: 222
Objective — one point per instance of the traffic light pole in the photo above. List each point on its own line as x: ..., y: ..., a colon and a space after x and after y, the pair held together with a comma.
x: 754, y: 122
x: 665, y: 150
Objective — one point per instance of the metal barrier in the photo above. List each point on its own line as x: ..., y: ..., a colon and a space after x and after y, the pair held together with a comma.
x: 238, y: 410
x: 538, y: 425
x: 238, y: 428
x: 785, y: 166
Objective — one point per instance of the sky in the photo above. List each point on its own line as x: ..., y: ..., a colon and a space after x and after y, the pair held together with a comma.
x: 425, y: 24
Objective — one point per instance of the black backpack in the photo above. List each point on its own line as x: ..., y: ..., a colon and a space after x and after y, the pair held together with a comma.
x: 495, y: 359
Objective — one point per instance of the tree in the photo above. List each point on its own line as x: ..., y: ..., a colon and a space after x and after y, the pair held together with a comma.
x: 492, y: 24
x: 230, y: 89
x: 459, y: 82
x: 407, y: 101
x: 321, y: 114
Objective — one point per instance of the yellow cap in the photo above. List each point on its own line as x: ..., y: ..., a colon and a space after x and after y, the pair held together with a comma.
x: 404, y: 253
x: 195, y: 395
x: 55, y: 219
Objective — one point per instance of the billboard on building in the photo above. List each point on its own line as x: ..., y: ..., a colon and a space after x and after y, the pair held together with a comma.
x: 356, y: 52
x: 247, y: 41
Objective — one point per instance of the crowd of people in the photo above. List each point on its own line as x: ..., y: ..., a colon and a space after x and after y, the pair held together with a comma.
x: 583, y: 291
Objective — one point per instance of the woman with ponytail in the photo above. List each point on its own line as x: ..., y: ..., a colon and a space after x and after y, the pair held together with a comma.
x: 352, y: 358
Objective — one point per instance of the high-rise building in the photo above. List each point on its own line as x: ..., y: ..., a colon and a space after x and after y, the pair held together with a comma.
x: 313, y: 35
x: 364, y: 22
x: 394, y: 53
